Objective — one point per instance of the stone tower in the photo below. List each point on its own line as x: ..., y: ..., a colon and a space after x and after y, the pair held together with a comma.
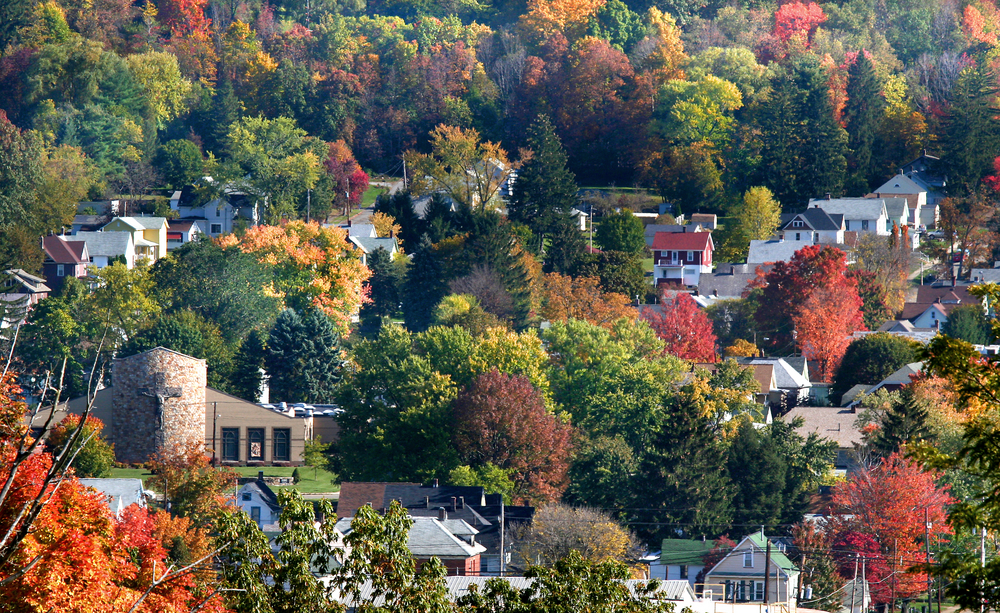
x: 158, y: 403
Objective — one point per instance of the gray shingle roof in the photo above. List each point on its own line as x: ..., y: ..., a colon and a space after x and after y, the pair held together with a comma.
x: 896, y: 208
x: 369, y: 245
x: 835, y: 424
x: 816, y: 218
x: 900, y: 184
x: 107, y: 244
x: 120, y: 493
x: 852, y: 208
x: 985, y: 275
x: 428, y: 537
x: 774, y: 251
x: 725, y: 285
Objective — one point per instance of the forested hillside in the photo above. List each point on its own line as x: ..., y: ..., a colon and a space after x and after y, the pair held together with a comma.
x: 698, y: 100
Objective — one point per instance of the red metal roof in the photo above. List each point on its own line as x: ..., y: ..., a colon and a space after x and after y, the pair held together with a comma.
x: 63, y: 251
x: 682, y: 241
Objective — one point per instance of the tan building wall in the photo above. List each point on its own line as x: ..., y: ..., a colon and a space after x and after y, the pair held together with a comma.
x: 248, y: 433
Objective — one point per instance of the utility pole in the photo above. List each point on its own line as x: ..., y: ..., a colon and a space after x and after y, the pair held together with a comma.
x: 982, y: 564
x: 308, y: 204
x: 503, y: 553
x: 215, y: 418
x: 927, y: 548
x: 767, y: 570
x: 592, y: 230
x: 892, y: 576
x: 864, y: 582
x: 404, y: 173
x: 854, y: 584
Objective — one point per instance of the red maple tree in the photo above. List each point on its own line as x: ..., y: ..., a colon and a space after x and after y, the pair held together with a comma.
x: 889, y: 504
x: 683, y: 327
x: 824, y: 324
x: 502, y: 420
x: 797, y: 22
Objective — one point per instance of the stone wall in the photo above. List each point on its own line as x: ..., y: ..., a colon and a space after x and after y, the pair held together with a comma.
x: 144, y: 382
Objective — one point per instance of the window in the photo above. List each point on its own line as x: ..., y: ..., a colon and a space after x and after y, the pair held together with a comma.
x: 247, y: 496
x: 864, y: 224
x: 815, y: 237
x: 230, y: 444
x: 255, y: 515
x: 684, y: 571
x: 798, y: 236
x: 797, y: 223
x: 282, y: 446
x: 218, y: 211
x: 690, y: 257
x: 748, y: 559
x: 255, y: 444
x: 758, y: 590
x: 216, y: 228
x: 60, y: 270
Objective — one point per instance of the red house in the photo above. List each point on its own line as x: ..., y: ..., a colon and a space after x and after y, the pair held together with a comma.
x: 680, y: 258
x: 63, y: 259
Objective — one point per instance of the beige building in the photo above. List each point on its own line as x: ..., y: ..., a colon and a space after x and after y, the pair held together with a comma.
x: 149, y: 234
x: 160, y: 400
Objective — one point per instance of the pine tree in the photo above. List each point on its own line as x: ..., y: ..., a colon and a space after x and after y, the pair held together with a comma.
x: 304, y: 358
x: 424, y: 288
x: 862, y: 114
x: 906, y: 421
x: 824, y: 146
x: 778, y: 117
x: 246, y: 380
x: 382, y: 290
x: 679, y: 485
x: 565, y: 246
x: 545, y: 191
x: 971, y: 132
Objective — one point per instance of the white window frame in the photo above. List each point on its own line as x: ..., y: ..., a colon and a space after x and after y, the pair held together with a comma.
x: 758, y: 591
x: 212, y: 228
x: 60, y: 270
x: 798, y: 223
x: 748, y: 557
x: 690, y: 257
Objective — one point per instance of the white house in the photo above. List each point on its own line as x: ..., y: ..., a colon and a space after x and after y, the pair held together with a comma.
x: 182, y: 231
x: 860, y: 214
x: 680, y: 560
x: 370, y: 245
x: 220, y: 215
x: 813, y: 225
x: 258, y: 501
x: 119, y: 493
x: 106, y: 247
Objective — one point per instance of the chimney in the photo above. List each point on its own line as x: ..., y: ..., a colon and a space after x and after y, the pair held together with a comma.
x: 454, y: 504
x: 715, y: 292
x: 435, y: 483
x: 442, y: 513
x: 829, y: 197
x: 427, y: 502
x: 260, y: 476
x: 461, y: 502
x: 348, y: 223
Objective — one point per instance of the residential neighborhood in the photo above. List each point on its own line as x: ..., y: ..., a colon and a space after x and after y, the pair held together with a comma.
x: 604, y: 306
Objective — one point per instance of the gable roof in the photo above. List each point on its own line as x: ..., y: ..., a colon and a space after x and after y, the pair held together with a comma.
x: 896, y: 208
x: 120, y: 493
x: 430, y: 537
x: 104, y: 244
x: 756, y: 541
x: 354, y: 495
x: 683, y: 241
x: 945, y: 293
x: 835, y: 424
x: 985, y: 275
x: 264, y: 492
x: 900, y: 184
x: 785, y: 377
x: 726, y: 282
x: 370, y: 245
x: 815, y: 218
x: 852, y: 208
x: 762, y: 252
x: 28, y: 281
x: 62, y: 251
x: 141, y: 223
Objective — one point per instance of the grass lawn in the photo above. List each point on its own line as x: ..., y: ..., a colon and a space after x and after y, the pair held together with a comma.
x: 368, y: 198
x: 320, y: 484
x: 647, y: 264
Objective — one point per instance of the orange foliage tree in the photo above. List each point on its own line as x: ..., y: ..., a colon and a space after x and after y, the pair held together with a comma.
x: 683, y: 327
x: 569, y: 17
x: 889, y: 503
x: 980, y: 23
x: 796, y: 22
x: 192, y: 487
x: 61, y: 549
x: 313, y: 266
x: 349, y: 180
x: 824, y: 324
x: 566, y: 298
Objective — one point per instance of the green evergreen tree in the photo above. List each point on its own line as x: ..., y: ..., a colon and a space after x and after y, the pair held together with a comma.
x: 303, y: 358
x: 778, y: 117
x: 545, y: 191
x: 494, y: 244
x: 823, y: 150
x: 970, y: 132
x: 246, y: 380
x: 424, y: 288
x: 383, y: 291
x: 566, y: 245
x: 862, y: 114
x: 681, y: 483
x: 906, y: 421
x: 399, y: 206
x: 758, y: 472
x: 968, y: 323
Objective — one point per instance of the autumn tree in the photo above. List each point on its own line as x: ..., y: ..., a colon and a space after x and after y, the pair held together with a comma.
x: 313, y: 266
x: 502, y: 420
x: 760, y: 214
x: 546, y: 17
x: 824, y: 324
x: 684, y: 328
x: 348, y: 180
x: 582, y: 298
x: 558, y: 529
x: 469, y: 170
x: 93, y: 456
x: 192, y: 487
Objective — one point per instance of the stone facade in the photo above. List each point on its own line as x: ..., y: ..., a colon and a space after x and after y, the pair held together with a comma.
x: 159, y: 403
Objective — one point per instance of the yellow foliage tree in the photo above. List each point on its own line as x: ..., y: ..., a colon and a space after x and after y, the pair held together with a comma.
x: 385, y: 225
x: 569, y: 17
x: 558, y: 529
x: 667, y: 59
x: 568, y: 298
x: 741, y: 349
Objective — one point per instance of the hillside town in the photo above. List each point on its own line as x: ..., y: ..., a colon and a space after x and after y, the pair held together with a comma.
x: 638, y: 306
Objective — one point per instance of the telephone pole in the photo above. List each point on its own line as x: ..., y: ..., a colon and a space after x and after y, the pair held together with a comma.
x: 927, y: 548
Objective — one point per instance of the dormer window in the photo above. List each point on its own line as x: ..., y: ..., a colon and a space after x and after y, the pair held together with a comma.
x: 798, y: 224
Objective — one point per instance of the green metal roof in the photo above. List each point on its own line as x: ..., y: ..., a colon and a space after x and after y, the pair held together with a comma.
x: 777, y: 557
x: 686, y: 552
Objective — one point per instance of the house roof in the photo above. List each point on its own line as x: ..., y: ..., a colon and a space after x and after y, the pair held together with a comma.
x: 835, y: 424
x: 779, y: 250
x: 852, y: 208
x: 778, y: 558
x: 370, y: 245
x: 62, y: 251
x: 141, y: 223
x: 985, y: 275
x: 903, y: 374
x: 181, y: 225
x: 266, y: 493
x: 31, y: 283
x: 900, y: 184
x: 852, y: 394
x: 896, y: 208
x: 353, y: 496
x: 816, y: 218
x: 945, y: 293
x: 682, y: 241
x: 705, y: 218
x: 430, y: 537
x: 104, y: 244
x: 913, y: 310
x: 686, y: 552
x: 785, y: 376
x: 725, y: 285
x: 120, y: 493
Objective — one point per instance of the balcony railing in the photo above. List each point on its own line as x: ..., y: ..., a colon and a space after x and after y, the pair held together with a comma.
x: 668, y: 262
